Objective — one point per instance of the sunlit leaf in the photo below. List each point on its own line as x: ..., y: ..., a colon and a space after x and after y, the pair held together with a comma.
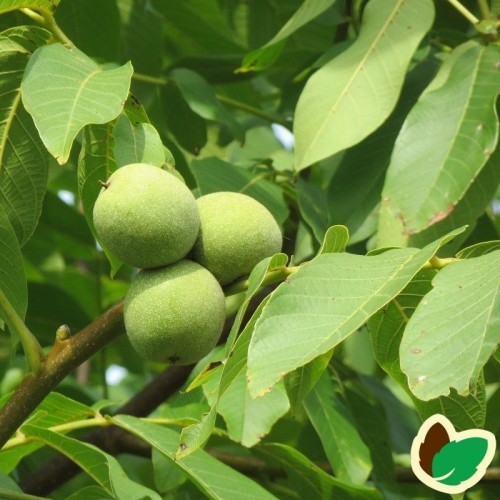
x: 64, y: 90
x: 446, y: 140
x: 460, y: 315
x: 349, y: 97
x: 321, y: 304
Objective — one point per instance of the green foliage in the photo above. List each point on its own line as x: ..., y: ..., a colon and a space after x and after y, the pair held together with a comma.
x: 382, y: 310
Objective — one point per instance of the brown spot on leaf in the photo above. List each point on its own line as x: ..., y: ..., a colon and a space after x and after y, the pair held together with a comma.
x: 441, y: 215
x: 435, y: 439
x: 416, y: 351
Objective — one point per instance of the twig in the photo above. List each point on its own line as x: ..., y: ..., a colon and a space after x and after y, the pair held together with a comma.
x: 47, y: 20
x: 272, y: 118
x: 464, y: 11
x: 484, y: 8
x: 65, y: 356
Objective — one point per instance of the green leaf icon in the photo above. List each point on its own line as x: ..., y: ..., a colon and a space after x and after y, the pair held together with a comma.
x: 457, y: 461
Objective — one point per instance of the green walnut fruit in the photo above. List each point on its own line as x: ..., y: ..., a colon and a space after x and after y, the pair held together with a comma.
x: 174, y: 314
x: 236, y: 233
x: 146, y: 216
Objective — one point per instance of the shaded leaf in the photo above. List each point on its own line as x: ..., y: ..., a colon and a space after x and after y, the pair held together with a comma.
x: 103, y: 468
x: 309, y: 480
x: 96, y: 35
x: 460, y: 314
x: 341, y: 104
x: 12, y: 279
x: 213, y: 478
x: 446, y: 140
x: 213, y: 175
x: 23, y: 159
x: 313, y: 204
x: 64, y: 90
x: 300, y: 382
x: 330, y: 416
x: 96, y: 163
x: 200, y: 97
x: 136, y: 143
x: 262, y: 58
x: 322, y: 303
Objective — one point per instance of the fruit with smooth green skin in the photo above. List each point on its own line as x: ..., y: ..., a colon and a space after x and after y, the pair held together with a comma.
x: 146, y: 216
x: 236, y: 233
x: 174, y: 314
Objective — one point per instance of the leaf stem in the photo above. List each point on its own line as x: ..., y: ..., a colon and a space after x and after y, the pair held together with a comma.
x: 270, y: 117
x: 484, y: 8
x: 47, y: 20
x: 32, y: 350
x: 274, y: 276
x: 464, y: 11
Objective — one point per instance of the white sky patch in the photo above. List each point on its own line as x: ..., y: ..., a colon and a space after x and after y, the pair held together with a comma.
x: 495, y: 205
x: 284, y: 136
x: 67, y: 196
x: 115, y: 374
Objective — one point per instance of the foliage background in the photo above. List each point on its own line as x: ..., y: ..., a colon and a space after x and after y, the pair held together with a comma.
x: 394, y: 114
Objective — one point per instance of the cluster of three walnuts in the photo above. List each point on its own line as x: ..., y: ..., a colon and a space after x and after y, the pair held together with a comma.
x: 186, y: 249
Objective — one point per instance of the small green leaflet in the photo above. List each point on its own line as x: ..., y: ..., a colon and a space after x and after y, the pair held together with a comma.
x: 457, y: 461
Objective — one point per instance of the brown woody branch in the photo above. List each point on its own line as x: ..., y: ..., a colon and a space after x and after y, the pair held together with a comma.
x: 65, y: 356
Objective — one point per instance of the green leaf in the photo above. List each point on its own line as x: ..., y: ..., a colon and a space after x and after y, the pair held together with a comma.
x: 457, y: 461
x: 322, y: 303
x: 23, y: 159
x: 200, y: 97
x: 341, y: 103
x: 467, y: 211
x: 188, y: 128
x: 355, y: 189
x: 136, y: 143
x: 96, y: 35
x: 196, y: 435
x: 249, y: 420
x: 460, y: 315
x: 478, y: 249
x: 47, y: 6
x: 213, y: 478
x: 262, y: 58
x: 64, y: 90
x: 308, y: 480
x: 330, y: 416
x: 213, y: 175
x: 335, y: 240
x: 300, y: 382
x: 95, y: 164
x: 446, y: 140
x: 103, y: 468
x: 90, y: 493
x: 313, y: 206
x: 386, y: 331
x: 12, y: 280
x: 55, y: 409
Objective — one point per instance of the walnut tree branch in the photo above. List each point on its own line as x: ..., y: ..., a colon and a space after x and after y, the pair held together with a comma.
x: 65, y: 356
